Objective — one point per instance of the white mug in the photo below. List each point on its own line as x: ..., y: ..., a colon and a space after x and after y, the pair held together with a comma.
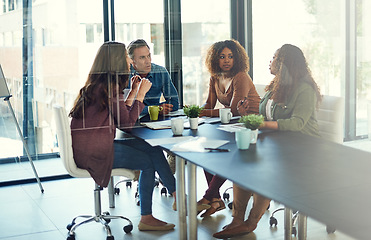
x: 243, y: 138
x: 225, y: 115
x: 177, y: 126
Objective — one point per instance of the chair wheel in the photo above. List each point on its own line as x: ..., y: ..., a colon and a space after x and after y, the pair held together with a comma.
x: 330, y: 229
x: 110, y: 238
x: 226, y: 196
x: 294, y: 231
x: 128, y: 184
x: 163, y: 191
x: 117, y: 191
x: 128, y: 228
x: 273, y: 221
x: 230, y: 205
x: 71, y: 237
x: 138, y: 203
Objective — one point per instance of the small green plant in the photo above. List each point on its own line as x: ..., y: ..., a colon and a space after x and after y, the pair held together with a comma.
x: 252, y: 121
x: 192, y: 111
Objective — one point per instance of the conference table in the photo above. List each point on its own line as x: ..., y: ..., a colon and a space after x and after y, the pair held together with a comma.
x: 326, y: 181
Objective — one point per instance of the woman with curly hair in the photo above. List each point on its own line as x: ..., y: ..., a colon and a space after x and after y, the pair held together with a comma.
x: 289, y: 105
x: 99, y: 109
x: 228, y: 64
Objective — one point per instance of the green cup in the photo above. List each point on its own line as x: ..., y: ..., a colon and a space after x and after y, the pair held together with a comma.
x: 153, y: 112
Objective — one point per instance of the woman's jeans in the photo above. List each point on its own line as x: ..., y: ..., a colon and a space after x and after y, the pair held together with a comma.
x: 137, y: 154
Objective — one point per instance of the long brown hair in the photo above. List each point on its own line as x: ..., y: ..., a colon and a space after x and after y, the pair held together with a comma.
x: 109, y: 75
x: 292, y: 69
x: 240, y: 58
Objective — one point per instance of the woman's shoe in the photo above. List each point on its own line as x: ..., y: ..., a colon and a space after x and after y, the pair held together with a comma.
x: 232, y: 232
x: 146, y: 227
x: 212, y: 209
x: 202, y: 206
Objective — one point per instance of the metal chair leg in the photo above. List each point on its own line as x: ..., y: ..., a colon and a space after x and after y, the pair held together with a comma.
x: 104, y: 218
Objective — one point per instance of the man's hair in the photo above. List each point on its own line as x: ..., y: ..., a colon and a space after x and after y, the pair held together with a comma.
x: 136, y: 44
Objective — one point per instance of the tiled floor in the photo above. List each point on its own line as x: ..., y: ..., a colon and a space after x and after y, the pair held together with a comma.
x: 29, y: 214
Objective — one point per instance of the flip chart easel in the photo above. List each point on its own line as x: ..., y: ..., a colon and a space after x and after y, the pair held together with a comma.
x: 4, y: 93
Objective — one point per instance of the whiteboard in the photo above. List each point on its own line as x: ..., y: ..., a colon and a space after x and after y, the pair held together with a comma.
x: 4, y: 91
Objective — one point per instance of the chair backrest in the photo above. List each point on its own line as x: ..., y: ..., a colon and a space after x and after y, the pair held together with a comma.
x: 65, y: 143
x: 330, y: 117
x: 65, y: 148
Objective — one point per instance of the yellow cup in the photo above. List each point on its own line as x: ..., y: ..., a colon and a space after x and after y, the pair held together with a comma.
x: 153, y: 112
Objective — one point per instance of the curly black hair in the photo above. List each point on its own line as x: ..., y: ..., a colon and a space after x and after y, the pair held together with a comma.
x: 240, y: 58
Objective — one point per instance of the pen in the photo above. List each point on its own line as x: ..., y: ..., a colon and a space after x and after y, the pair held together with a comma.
x: 217, y: 149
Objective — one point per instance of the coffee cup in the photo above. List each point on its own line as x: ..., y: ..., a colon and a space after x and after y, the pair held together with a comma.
x: 243, y: 138
x: 225, y: 115
x: 153, y: 112
x: 177, y: 126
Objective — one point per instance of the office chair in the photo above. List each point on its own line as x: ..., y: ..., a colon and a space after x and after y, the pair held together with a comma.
x: 330, y: 122
x: 66, y: 154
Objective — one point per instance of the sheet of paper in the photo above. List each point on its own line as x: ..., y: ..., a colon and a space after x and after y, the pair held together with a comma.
x: 212, y: 120
x: 197, y: 144
x: 171, y: 140
x: 231, y: 127
x: 157, y: 124
x: 176, y: 113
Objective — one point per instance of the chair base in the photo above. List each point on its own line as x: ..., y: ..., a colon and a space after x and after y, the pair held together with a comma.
x: 99, y: 217
x: 294, y: 217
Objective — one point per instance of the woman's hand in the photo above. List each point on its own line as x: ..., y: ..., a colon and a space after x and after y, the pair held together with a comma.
x: 243, y: 107
x: 144, y: 87
x: 135, y: 82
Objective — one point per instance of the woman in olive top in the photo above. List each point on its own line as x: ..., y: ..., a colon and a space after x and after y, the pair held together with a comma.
x: 228, y: 64
x: 289, y: 105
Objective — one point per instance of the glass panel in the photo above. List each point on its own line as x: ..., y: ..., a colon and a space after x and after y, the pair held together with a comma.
x: 131, y: 25
x: 65, y: 38
x: 200, y: 30
x: 363, y: 21
x: 309, y: 27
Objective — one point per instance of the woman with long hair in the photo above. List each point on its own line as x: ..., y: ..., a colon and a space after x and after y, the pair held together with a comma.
x: 289, y: 105
x: 99, y: 109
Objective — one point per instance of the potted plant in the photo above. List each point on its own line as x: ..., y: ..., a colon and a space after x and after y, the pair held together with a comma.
x: 252, y: 121
x: 192, y: 112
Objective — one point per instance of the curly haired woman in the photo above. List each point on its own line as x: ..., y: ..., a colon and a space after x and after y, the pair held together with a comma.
x: 228, y: 64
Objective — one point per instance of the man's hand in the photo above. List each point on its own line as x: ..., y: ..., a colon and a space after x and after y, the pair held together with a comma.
x: 166, y: 108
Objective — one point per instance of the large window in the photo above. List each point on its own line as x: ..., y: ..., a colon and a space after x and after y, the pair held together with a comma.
x: 62, y: 38
x: 363, y: 66
x: 61, y: 42
x: 332, y: 34
x: 307, y: 25
x: 200, y: 30
x: 141, y: 23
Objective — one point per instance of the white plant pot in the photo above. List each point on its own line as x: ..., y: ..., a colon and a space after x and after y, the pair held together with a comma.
x: 193, y: 123
x: 254, y: 136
